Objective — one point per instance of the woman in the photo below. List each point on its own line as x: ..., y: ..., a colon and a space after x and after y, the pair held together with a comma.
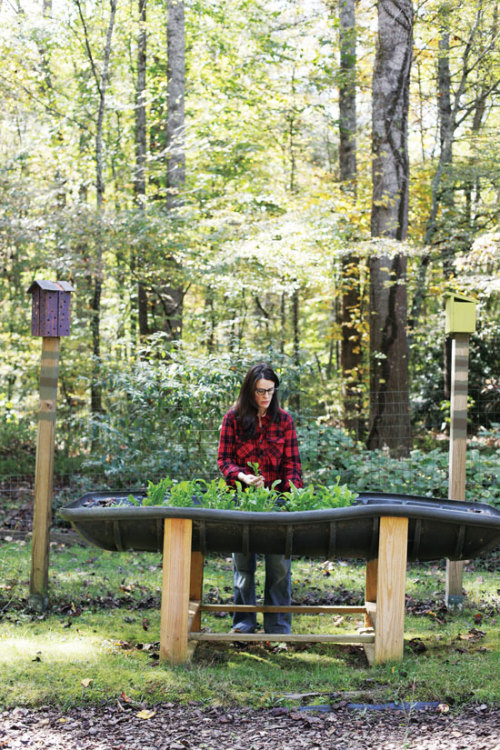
x: 256, y: 430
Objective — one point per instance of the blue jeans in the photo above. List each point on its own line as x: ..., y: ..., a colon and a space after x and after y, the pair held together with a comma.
x: 277, y: 591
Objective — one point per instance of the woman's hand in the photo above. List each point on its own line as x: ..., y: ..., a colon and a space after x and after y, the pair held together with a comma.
x: 251, y: 479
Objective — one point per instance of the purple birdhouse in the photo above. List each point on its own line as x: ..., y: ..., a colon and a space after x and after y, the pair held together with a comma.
x: 50, y: 308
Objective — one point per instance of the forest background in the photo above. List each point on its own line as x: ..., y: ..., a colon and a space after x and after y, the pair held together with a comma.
x: 225, y: 182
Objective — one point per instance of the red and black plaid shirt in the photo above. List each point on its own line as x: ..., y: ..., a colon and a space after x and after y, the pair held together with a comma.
x: 274, y: 447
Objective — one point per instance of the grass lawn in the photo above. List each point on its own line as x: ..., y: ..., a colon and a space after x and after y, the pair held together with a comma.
x: 99, y: 639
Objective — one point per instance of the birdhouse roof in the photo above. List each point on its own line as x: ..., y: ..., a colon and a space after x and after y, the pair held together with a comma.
x: 51, y: 286
x: 460, y: 297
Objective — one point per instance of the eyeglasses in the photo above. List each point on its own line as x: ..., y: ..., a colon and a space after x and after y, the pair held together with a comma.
x: 263, y: 391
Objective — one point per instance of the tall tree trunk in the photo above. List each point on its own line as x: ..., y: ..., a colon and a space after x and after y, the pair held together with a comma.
x: 210, y: 318
x: 140, y: 110
x: 389, y: 383
x: 445, y: 196
x: 472, y: 183
x: 172, y: 294
x: 295, y: 395
x: 101, y: 82
x: 347, y: 95
x: 282, y: 323
x: 291, y: 118
x: 140, y: 160
x: 446, y: 130
x: 176, y: 166
x: 350, y: 346
x: 449, y: 106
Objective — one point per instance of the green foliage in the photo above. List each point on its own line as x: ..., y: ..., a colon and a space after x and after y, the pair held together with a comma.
x: 254, y: 466
x: 163, y: 413
x: 262, y: 224
x: 16, y: 448
x: 257, y: 499
x: 318, y: 497
x: 217, y: 495
x: 181, y: 494
x: 328, y: 452
x: 157, y: 492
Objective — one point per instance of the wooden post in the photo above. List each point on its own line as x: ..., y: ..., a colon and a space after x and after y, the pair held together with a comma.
x: 50, y: 318
x: 44, y: 470
x: 371, y: 591
x: 175, y: 590
x: 391, y: 585
x: 196, y: 586
x: 458, y: 444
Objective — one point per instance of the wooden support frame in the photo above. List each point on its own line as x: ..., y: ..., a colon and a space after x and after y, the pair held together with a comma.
x: 176, y: 583
x: 44, y: 472
x: 391, y: 586
x: 196, y: 587
x: 182, y: 607
x: 457, y: 453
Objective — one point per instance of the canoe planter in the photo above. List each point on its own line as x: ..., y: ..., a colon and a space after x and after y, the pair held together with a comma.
x: 436, y: 529
x: 385, y: 530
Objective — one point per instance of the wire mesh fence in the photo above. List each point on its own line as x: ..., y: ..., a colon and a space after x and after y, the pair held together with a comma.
x: 418, y: 465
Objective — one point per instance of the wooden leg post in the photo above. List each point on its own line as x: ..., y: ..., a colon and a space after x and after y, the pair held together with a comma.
x: 44, y: 472
x: 391, y: 586
x: 196, y: 586
x: 458, y: 448
x: 175, y: 590
x: 371, y: 606
x: 371, y: 592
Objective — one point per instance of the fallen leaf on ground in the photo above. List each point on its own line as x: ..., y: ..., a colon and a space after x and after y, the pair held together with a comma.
x: 145, y: 714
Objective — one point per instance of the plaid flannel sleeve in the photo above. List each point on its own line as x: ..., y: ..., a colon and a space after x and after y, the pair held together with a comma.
x: 291, y: 470
x: 226, y: 454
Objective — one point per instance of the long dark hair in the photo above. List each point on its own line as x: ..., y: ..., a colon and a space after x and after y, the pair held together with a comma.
x: 246, y: 407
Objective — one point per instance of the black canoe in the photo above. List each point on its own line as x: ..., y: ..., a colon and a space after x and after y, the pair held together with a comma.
x: 437, y: 528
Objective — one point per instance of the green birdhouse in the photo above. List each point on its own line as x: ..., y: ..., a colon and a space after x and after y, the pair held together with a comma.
x: 460, y: 313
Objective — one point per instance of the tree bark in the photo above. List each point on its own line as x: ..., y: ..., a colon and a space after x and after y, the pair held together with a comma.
x: 389, y: 382
x: 347, y: 95
x: 446, y: 131
x: 444, y: 197
x: 390, y: 96
x: 140, y: 161
x: 295, y: 395
x: 350, y: 304
x: 172, y: 295
x: 140, y: 110
x: 449, y: 108
x: 282, y: 322
x: 101, y: 83
x: 176, y: 168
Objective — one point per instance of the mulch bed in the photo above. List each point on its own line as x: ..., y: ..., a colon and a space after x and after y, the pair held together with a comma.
x: 192, y: 727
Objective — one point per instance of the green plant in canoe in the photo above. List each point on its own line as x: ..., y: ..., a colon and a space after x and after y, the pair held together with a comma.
x: 318, y: 497
x: 218, y: 496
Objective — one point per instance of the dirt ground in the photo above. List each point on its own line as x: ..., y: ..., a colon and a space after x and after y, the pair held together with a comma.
x: 193, y: 727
